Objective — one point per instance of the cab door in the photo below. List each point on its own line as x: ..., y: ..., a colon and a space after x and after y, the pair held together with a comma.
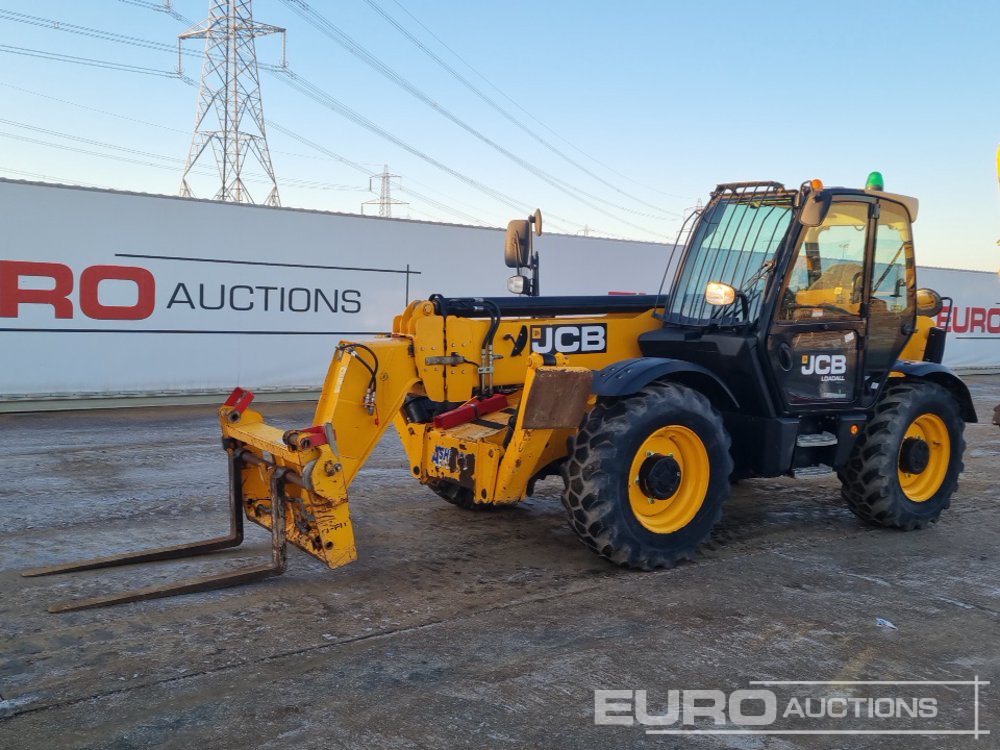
x: 891, y: 295
x: 816, y: 343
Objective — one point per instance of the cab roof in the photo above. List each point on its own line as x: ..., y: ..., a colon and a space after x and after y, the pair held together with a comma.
x: 911, y: 204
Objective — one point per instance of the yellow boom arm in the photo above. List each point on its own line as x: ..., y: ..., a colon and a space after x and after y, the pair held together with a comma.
x: 438, y: 360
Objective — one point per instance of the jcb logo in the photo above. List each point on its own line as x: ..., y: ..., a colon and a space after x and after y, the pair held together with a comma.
x: 824, y: 364
x: 587, y: 339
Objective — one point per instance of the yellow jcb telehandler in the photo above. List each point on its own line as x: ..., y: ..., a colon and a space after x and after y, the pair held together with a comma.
x: 791, y: 340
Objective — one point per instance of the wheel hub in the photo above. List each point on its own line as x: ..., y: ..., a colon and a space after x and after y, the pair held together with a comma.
x: 660, y: 477
x: 668, y: 479
x: 914, y: 455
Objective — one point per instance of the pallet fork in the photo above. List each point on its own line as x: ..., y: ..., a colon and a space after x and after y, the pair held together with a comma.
x: 238, y: 458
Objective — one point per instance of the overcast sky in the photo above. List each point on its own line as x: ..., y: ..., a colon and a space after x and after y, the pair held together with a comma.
x: 653, y: 103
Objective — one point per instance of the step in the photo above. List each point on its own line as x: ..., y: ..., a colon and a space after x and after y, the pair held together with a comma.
x: 816, y: 440
x: 816, y: 470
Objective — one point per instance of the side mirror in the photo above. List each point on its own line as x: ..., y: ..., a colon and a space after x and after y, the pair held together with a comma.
x: 814, y: 210
x: 929, y: 303
x: 717, y: 293
x: 517, y: 251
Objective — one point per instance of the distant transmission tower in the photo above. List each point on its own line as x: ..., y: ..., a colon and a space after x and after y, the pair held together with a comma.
x: 230, y: 122
x: 385, y: 200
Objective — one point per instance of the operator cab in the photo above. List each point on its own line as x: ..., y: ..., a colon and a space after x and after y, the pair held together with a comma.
x: 799, y: 299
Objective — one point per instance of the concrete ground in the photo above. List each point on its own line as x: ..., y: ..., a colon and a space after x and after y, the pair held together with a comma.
x: 455, y: 628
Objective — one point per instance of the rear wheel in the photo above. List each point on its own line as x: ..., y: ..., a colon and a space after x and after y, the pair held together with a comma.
x: 905, y: 466
x: 648, y: 475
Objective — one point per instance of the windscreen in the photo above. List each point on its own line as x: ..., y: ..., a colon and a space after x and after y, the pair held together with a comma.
x: 735, y: 243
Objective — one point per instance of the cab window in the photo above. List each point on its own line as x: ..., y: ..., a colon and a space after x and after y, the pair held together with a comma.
x: 827, y: 279
x: 892, y: 303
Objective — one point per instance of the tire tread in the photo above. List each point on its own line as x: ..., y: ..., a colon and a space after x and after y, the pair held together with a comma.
x: 594, y: 466
x: 869, y: 480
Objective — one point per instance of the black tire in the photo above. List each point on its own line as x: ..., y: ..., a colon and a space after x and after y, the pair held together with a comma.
x: 458, y: 495
x: 870, y: 480
x: 597, y: 496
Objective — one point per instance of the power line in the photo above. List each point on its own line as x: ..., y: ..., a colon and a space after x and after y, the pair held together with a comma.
x: 111, y: 36
x: 500, y: 109
x: 165, y: 7
x: 91, y: 109
x: 135, y: 41
x: 171, y: 162
x: 292, y: 182
x: 302, y: 139
x: 147, y: 43
x: 300, y: 84
x: 468, y: 218
x: 361, y: 168
x: 88, y: 141
x: 326, y: 27
x: 158, y: 46
x: 313, y: 92
x: 76, y: 149
x: 140, y: 162
x: 86, y: 61
x: 455, y: 203
x: 518, y: 105
x: 127, y: 118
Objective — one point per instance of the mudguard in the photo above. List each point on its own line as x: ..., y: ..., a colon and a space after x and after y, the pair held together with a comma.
x: 937, y: 373
x: 632, y: 375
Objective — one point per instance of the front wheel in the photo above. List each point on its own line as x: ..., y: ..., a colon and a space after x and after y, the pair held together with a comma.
x: 904, y: 468
x: 648, y: 475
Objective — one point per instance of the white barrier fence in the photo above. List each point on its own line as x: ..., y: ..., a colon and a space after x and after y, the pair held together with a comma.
x: 974, y: 338
x: 105, y: 294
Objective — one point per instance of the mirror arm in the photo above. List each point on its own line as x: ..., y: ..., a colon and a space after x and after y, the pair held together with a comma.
x: 534, y: 292
x: 745, y: 304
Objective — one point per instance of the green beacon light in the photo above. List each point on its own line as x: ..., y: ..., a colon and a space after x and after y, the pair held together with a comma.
x: 875, y: 182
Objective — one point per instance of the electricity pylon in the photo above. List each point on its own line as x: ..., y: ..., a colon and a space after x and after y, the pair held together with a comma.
x: 385, y: 201
x: 230, y: 122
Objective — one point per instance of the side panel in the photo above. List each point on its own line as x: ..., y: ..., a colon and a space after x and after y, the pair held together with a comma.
x: 762, y: 446
x: 916, y: 347
x: 729, y: 357
x: 589, y: 342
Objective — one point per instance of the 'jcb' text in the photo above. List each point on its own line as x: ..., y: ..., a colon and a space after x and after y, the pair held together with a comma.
x: 828, y: 366
x: 585, y: 339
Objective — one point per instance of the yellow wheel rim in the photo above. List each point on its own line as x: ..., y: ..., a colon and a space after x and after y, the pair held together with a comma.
x: 667, y: 515
x: 920, y: 487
